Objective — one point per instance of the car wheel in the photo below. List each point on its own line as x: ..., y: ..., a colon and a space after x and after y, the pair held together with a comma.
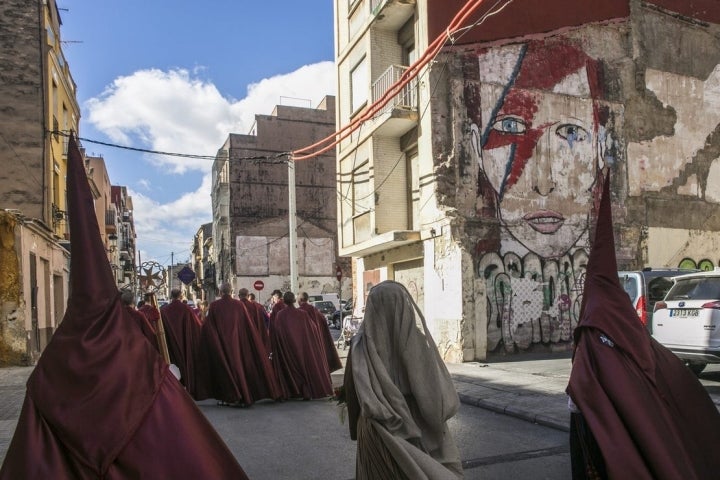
x: 696, y: 367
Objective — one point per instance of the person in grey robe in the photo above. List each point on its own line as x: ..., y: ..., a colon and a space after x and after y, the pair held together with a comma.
x: 399, y: 393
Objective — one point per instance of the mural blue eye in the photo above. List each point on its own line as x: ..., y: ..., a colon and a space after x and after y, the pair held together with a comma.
x: 572, y: 133
x: 509, y: 125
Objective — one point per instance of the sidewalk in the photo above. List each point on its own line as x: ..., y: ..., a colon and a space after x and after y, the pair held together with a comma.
x: 533, y: 390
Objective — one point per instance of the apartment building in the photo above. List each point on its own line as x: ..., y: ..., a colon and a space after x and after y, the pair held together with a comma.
x: 38, y: 108
x: 120, y: 229
x: 476, y: 183
x: 251, y: 204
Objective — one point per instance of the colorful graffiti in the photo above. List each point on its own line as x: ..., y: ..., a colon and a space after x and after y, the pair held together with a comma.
x: 705, y: 264
x: 539, y: 135
x: 531, y: 300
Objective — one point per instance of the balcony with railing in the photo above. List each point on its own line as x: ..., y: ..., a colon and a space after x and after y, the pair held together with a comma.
x: 400, y: 114
x: 126, y: 249
x: 111, y: 221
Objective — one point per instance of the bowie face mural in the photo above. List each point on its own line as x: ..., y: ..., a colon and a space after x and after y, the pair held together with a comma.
x: 538, y: 135
x: 538, y: 141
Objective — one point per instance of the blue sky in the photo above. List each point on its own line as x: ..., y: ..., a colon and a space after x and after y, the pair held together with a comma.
x: 179, y: 76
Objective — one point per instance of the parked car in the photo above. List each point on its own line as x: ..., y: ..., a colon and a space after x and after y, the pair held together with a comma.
x: 647, y: 286
x: 687, y: 321
x: 326, y: 307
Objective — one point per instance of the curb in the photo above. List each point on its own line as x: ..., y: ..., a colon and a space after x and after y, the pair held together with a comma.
x: 515, y: 412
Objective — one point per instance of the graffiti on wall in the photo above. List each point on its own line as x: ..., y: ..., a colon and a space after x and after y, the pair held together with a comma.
x: 539, y: 135
x: 705, y: 264
x: 531, y: 300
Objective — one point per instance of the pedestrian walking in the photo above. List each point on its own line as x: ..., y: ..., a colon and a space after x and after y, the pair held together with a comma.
x: 325, y: 340
x: 399, y: 393
x: 239, y: 370
x: 300, y: 365
x: 182, y: 330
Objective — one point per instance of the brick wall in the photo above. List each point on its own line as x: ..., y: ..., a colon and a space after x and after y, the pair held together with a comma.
x: 22, y: 179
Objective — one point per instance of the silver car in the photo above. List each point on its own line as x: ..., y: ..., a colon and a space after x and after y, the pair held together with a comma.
x: 688, y: 321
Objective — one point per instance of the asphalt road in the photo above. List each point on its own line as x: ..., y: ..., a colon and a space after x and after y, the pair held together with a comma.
x: 306, y: 440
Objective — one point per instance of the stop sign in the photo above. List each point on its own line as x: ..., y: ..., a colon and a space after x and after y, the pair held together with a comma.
x: 338, y: 273
x: 258, y: 285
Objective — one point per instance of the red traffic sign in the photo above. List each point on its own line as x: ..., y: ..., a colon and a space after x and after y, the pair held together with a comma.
x: 338, y: 273
x: 258, y: 285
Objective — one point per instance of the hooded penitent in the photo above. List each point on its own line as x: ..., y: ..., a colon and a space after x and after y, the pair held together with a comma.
x: 399, y: 393
x: 650, y: 416
x: 101, y: 403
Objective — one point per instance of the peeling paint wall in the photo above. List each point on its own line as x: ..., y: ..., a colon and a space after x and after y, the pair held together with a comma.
x: 539, y: 131
x: 12, y: 327
x: 674, y: 166
x: 25, y: 331
x: 521, y: 116
x: 535, y: 122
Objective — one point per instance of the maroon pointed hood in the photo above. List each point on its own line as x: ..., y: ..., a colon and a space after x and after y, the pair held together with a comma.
x: 98, y: 376
x: 605, y: 305
x: 87, y: 285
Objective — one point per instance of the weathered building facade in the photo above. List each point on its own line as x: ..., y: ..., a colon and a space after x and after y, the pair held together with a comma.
x: 477, y: 187
x: 120, y: 228
x: 250, y: 198
x: 203, y: 264
x: 38, y: 109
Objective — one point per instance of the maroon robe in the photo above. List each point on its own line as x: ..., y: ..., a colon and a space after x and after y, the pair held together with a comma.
x: 182, y: 332
x: 327, y: 344
x: 257, y: 316
x: 239, y: 366
x: 648, y: 413
x: 299, y: 364
x: 145, y: 327
x: 151, y: 313
x: 274, y: 311
x: 101, y: 402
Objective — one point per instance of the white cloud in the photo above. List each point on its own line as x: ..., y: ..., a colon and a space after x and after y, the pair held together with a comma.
x: 144, y: 183
x: 170, y: 227
x: 177, y: 111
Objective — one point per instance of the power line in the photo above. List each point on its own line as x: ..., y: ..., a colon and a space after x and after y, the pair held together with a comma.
x: 273, y: 157
x: 396, y: 88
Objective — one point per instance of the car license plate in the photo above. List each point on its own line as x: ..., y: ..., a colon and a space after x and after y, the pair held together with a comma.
x: 684, y: 312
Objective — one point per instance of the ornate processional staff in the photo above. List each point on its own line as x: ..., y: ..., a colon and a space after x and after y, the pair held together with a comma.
x: 152, y: 276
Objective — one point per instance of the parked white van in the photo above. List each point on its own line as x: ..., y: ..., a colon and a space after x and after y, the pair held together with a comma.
x: 329, y: 297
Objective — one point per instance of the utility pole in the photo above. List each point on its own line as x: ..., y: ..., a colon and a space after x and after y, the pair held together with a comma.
x: 170, y: 287
x: 292, y: 236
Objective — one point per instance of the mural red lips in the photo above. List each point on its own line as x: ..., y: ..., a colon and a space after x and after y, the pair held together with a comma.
x: 545, y: 221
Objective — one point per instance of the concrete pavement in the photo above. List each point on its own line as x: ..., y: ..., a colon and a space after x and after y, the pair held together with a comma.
x: 530, y: 389
x: 533, y: 390
x: 12, y: 393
